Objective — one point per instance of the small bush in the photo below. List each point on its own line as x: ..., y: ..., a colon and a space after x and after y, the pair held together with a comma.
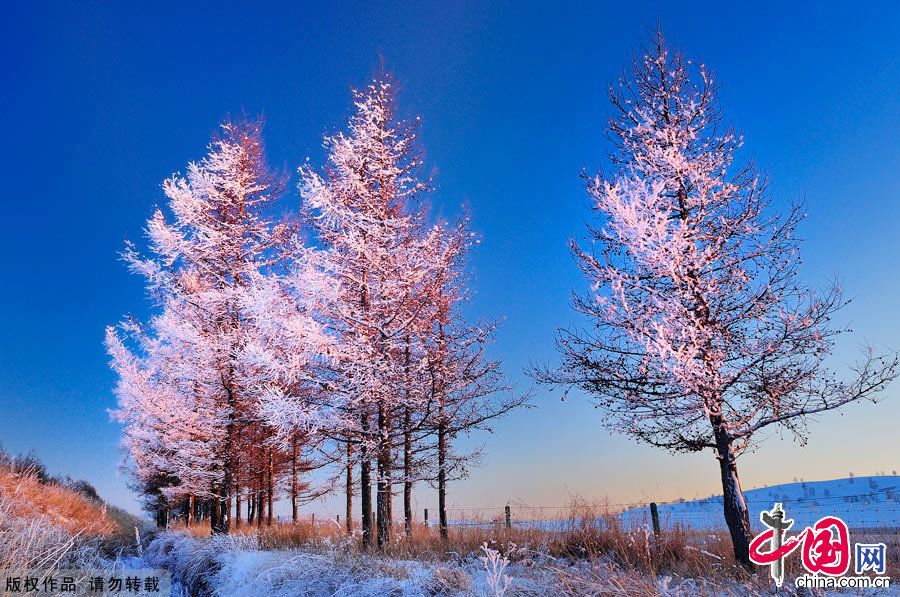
x: 30, y: 465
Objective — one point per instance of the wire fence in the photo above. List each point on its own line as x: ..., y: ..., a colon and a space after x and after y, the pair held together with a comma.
x: 873, y: 510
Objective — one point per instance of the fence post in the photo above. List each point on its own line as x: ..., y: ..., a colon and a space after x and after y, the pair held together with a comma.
x: 508, y: 518
x: 339, y: 519
x: 426, y: 517
x: 654, y: 515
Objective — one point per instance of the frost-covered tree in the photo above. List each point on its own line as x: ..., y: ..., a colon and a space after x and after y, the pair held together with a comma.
x: 285, y: 366
x: 395, y: 277
x: 168, y: 418
x: 367, y: 214
x: 199, y: 363
x: 267, y: 359
x: 463, y: 388
x: 701, y: 333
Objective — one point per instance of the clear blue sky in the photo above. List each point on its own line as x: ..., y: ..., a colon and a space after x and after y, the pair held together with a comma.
x: 102, y: 101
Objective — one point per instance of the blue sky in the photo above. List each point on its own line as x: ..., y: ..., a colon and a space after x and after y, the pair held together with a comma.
x: 102, y: 101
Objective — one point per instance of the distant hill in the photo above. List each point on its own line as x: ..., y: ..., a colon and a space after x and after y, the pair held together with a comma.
x: 862, y: 502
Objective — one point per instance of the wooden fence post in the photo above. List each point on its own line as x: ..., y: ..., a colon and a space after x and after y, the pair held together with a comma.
x: 508, y: 518
x: 654, y: 516
x: 426, y: 517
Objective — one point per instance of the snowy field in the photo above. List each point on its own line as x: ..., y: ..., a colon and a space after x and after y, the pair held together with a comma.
x: 237, y: 565
x: 230, y: 566
x: 862, y: 502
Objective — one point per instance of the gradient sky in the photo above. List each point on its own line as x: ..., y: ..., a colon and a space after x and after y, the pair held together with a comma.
x: 102, y: 101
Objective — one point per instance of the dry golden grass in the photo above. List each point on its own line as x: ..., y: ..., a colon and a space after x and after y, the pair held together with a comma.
x: 614, y: 560
x: 63, y: 507
x: 586, y: 532
x: 44, y: 526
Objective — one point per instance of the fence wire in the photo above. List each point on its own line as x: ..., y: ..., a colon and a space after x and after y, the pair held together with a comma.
x: 872, y: 510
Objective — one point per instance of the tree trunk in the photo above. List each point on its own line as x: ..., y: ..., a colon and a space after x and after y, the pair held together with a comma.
x: 218, y: 522
x: 162, y: 517
x: 236, y: 490
x: 365, y: 490
x: 224, y: 503
x: 294, y: 512
x: 349, y: 513
x: 270, y: 490
x: 442, y: 478
x: 260, y: 501
x: 214, y: 511
x: 736, y: 514
x: 223, y: 499
x: 407, y: 445
x: 442, y: 439
x: 226, y: 507
x: 383, y: 497
x: 237, y: 505
x: 407, y: 472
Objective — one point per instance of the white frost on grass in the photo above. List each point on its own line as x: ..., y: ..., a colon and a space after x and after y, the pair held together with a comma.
x: 230, y: 566
x: 235, y: 566
x: 288, y: 574
x: 495, y: 566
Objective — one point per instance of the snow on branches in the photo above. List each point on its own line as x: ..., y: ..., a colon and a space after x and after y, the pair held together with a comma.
x: 395, y: 300
x: 226, y: 320
x: 701, y: 333
x: 268, y: 358
x: 695, y: 293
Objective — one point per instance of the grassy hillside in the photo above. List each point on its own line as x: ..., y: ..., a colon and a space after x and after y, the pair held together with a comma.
x: 49, y: 523
x: 24, y: 496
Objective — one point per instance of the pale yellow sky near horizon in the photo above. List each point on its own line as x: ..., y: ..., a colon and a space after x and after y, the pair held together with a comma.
x: 528, y: 460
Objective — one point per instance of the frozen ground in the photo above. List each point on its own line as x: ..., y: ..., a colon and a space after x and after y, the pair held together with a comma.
x: 235, y: 567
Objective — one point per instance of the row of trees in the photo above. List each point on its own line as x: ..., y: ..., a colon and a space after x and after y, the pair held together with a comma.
x: 269, y: 357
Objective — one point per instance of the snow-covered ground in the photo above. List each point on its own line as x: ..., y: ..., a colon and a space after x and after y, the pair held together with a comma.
x: 862, y: 502
x: 236, y: 567
x: 232, y: 566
